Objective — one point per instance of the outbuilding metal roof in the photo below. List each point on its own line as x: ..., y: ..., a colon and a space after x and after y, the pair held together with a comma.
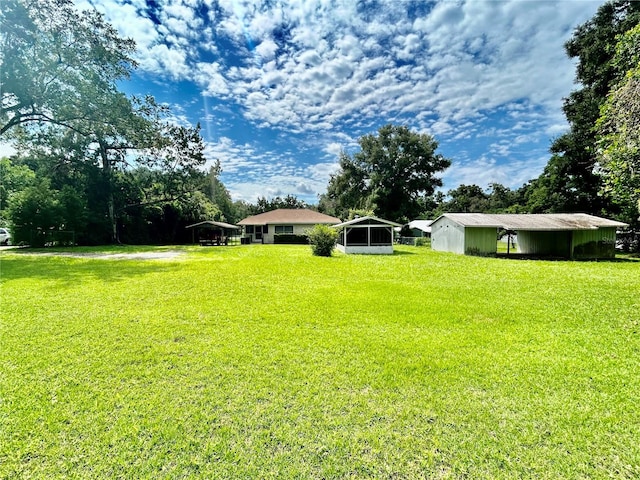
x: 528, y: 221
x: 289, y: 216
x: 424, y: 225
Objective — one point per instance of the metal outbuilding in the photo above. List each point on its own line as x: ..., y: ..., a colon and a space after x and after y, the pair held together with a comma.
x: 566, y: 235
x: 420, y: 228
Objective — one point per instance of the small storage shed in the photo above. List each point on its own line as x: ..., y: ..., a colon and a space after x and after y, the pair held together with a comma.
x: 369, y: 234
x: 566, y: 235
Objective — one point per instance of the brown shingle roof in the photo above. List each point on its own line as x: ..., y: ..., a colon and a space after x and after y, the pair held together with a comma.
x: 290, y: 216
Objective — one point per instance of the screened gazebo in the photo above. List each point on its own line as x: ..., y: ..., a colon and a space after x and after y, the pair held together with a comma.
x: 366, y: 235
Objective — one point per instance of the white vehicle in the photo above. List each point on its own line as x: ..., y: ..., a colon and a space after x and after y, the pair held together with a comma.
x: 5, y: 237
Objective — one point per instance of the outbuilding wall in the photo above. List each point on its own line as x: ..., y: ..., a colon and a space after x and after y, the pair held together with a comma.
x: 554, y: 244
x: 447, y: 236
x: 579, y: 244
x: 599, y: 243
x: 481, y: 241
x: 367, y: 250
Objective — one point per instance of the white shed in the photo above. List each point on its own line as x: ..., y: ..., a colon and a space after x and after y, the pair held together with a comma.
x: 366, y: 235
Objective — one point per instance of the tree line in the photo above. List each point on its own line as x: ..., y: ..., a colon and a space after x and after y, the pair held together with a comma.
x: 113, y: 168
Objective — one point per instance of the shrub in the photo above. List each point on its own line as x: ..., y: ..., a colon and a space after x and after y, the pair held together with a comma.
x: 423, y: 242
x: 322, y: 239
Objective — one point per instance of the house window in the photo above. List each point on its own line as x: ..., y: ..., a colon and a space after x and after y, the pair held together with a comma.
x: 283, y: 229
x: 249, y: 228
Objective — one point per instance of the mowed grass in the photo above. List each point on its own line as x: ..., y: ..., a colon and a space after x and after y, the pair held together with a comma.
x: 267, y: 362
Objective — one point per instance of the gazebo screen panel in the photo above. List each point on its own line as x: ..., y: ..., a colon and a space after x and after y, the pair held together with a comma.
x: 381, y: 236
x: 356, y: 236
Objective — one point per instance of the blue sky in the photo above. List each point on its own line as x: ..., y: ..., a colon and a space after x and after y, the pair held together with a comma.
x: 280, y: 87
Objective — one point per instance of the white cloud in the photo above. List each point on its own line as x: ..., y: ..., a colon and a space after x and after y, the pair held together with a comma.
x: 337, y: 61
x: 333, y: 66
x: 487, y: 170
x: 6, y: 150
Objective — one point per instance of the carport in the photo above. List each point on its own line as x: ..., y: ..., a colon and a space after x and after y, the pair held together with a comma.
x: 210, y: 232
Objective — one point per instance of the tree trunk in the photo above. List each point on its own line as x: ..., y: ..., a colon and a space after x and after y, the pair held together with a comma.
x: 106, y: 169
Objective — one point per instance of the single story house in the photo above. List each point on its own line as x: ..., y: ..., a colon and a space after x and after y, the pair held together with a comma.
x: 283, y: 221
x: 420, y: 228
x: 366, y: 235
x: 210, y: 232
x: 566, y: 235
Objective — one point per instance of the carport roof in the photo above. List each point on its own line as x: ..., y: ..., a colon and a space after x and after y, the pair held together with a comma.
x: 214, y: 224
x: 530, y: 222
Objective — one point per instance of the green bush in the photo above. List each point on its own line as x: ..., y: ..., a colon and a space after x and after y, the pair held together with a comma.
x: 423, y: 242
x: 322, y: 239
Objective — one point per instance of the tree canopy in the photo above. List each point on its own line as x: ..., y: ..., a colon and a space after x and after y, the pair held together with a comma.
x: 569, y: 182
x: 59, y: 65
x: 619, y: 129
x: 393, y: 174
x: 62, y: 109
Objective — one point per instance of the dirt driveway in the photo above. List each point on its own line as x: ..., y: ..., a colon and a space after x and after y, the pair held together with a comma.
x: 165, y: 255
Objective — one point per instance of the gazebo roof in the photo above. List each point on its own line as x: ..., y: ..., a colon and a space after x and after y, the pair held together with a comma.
x: 367, y: 221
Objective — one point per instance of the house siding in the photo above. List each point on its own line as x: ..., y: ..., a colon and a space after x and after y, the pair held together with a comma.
x: 299, y: 229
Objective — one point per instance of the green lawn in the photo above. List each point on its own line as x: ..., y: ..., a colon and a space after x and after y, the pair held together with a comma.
x: 267, y: 362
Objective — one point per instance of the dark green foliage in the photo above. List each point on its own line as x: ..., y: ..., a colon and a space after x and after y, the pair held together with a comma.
x: 569, y: 183
x: 473, y: 199
x: 618, y: 131
x: 393, y: 174
x: 290, y: 238
x: 263, y: 205
x: 422, y: 242
x: 322, y: 239
x: 58, y: 65
x: 33, y: 211
x: 59, y: 76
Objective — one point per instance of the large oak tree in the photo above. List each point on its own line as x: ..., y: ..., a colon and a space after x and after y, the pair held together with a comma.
x: 59, y: 77
x: 393, y: 174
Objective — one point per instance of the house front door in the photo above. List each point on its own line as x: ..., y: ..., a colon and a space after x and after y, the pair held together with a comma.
x: 257, y: 235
